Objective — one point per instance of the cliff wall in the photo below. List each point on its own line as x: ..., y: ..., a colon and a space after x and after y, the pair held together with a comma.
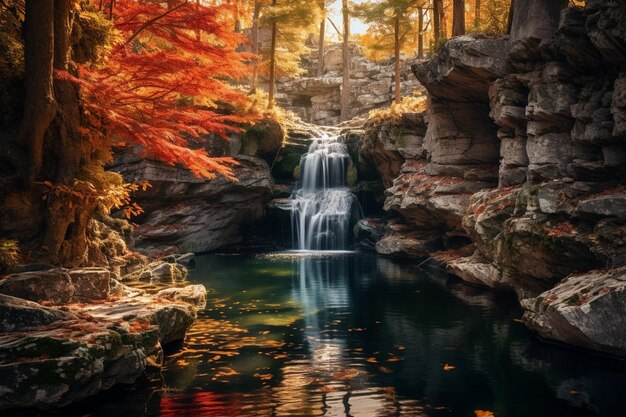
x: 517, y: 181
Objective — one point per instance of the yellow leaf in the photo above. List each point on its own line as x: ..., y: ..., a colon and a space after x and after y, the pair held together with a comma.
x: 372, y: 360
x: 483, y: 413
x: 448, y: 367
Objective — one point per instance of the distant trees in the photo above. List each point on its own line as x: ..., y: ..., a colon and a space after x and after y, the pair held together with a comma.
x: 391, y: 23
x: 345, y: 86
x: 289, y: 22
x: 424, y: 23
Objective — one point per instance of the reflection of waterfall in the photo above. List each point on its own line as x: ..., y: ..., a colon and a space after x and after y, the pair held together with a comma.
x: 320, y: 286
x: 321, y: 206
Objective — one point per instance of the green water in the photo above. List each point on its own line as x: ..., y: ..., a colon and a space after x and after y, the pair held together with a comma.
x: 360, y: 335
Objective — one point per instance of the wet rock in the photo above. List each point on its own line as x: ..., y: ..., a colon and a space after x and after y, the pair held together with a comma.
x: 191, y: 294
x: 477, y: 270
x: 586, y: 310
x: 162, y: 272
x: 403, y: 240
x: 369, y: 231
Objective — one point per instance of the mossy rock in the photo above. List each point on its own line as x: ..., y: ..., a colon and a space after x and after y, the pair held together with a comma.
x: 264, y: 138
x: 285, y: 165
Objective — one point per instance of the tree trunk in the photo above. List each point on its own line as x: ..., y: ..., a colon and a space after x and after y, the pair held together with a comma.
x: 39, y: 102
x: 270, y: 99
x: 443, y: 17
x: 477, y: 15
x: 65, y: 237
x: 458, y: 18
x: 255, y: 45
x: 509, y: 22
x: 320, y: 48
x: 396, y: 45
x: 420, y: 33
x: 345, y: 86
x: 437, y: 20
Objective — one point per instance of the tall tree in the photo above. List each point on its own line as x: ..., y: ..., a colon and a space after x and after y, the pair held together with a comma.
x: 290, y: 23
x: 458, y: 18
x: 88, y: 87
x: 477, y: 15
x: 437, y: 20
x: 420, y: 32
x: 322, y: 37
x: 272, y: 87
x: 345, y: 86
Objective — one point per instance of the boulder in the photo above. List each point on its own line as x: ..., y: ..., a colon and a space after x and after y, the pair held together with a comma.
x: 191, y: 294
x: 586, y: 310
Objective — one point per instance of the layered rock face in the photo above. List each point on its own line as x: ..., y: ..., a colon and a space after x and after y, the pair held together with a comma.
x: 317, y: 99
x: 523, y: 158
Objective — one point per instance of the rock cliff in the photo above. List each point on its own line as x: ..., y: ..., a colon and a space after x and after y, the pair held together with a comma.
x: 316, y: 99
x: 519, y: 168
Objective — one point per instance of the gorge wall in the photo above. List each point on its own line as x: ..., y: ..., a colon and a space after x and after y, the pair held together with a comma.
x: 514, y: 176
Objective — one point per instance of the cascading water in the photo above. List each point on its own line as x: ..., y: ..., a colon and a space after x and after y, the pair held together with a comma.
x: 321, y: 206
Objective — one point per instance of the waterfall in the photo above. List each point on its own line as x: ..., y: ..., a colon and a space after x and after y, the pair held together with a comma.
x: 321, y: 205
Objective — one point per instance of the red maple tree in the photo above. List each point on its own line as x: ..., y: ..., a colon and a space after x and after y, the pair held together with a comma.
x: 165, y: 81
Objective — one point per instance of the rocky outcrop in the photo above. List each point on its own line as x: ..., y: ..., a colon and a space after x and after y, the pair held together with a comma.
x: 522, y: 164
x: 318, y: 99
x: 185, y: 213
x: 53, y: 356
x: 586, y: 310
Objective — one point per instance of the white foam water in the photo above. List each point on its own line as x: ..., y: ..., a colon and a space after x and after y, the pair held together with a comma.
x: 321, y: 206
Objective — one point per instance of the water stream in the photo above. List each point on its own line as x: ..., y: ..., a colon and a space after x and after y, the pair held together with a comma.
x: 321, y: 205
x: 356, y: 335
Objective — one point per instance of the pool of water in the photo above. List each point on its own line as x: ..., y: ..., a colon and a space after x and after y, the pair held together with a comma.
x: 297, y: 334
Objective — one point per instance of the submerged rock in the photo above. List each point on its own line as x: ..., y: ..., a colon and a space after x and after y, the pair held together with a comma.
x: 586, y: 310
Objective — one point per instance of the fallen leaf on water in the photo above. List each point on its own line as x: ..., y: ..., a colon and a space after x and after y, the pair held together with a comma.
x: 372, y: 360
x: 400, y: 347
x: 573, y: 392
x: 518, y: 320
x: 264, y: 332
x: 346, y: 374
x: 395, y: 359
x: 216, y: 357
x: 483, y: 413
x: 280, y: 356
x: 448, y: 367
x: 264, y: 377
x: 439, y: 407
x: 384, y: 370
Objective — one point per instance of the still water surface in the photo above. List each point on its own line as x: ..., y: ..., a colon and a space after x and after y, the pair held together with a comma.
x: 359, y: 335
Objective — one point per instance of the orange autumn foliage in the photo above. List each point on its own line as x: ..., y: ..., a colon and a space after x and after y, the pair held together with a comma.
x: 165, y: 84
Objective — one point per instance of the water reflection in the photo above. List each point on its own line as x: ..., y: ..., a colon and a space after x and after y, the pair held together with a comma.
x: 357, y: 335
